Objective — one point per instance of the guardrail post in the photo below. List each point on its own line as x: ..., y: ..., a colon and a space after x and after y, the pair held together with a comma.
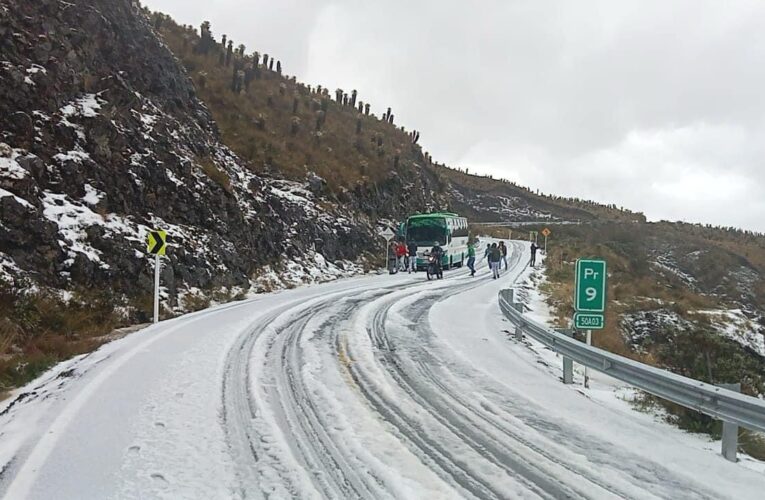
x: 518, y: 329
x: 518, y: 333
x: 730, y: 431
x: 568, y: 363
x: 586, y: 368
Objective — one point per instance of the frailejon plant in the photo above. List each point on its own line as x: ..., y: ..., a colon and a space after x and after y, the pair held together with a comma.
x: 229, y: 51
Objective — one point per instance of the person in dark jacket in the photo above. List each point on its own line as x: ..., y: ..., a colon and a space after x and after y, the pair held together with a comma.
x: 503, y: 250
x: 534, y: 249
x: 412, y: 250
x: 495, y: 257
x: 438, y: 253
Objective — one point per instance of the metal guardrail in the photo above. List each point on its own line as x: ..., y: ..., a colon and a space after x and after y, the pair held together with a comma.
x: 723, y: 404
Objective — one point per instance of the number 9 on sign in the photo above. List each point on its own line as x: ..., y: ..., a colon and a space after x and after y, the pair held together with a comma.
x: 590, y: 286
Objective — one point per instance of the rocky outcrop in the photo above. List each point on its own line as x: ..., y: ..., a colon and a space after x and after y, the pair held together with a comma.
x: 103, y: 138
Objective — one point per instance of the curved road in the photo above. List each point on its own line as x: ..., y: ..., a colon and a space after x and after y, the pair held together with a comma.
x: 382, y: 387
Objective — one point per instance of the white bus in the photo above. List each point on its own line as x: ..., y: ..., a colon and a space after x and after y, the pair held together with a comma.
x: 448, y: 229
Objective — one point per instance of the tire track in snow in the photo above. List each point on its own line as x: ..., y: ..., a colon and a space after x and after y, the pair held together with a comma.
x: 450, y: 463
x: 292, y: 412
x: 251, y: 445
x: 475, y: 428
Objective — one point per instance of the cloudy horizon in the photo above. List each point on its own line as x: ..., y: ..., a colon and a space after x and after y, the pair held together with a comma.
x: 654, y: 106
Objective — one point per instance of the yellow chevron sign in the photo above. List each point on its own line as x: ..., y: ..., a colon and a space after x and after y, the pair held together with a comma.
x: 156, y: 242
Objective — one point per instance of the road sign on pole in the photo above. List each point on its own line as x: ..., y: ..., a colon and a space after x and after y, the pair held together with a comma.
x: 156, y: 244
x: 590, y: 286
x: 590, y: 299
x: 388, y: 235
x: 546, y: 232
x: 157, y: 265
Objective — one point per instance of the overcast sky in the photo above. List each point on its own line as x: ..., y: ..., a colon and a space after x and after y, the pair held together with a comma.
x: 658, y: 106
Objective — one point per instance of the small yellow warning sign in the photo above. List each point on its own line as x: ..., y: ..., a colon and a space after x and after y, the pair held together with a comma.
x: 156, y: 242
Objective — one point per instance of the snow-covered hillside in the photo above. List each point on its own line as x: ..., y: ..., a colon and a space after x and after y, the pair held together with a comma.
x: 96, y: 150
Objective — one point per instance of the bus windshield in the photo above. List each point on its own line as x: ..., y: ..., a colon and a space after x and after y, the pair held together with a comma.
x: 425, y: 232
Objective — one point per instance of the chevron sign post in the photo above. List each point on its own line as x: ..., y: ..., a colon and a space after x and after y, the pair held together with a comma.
x: 156, y: 244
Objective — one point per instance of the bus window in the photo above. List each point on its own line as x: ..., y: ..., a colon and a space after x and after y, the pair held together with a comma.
x: 427, y: 231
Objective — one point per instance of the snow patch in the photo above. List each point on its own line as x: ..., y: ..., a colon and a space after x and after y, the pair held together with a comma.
x: 86, y: 106
x: 668, y: 266
x: 21, y: 201
x: 8, y: 268
x: 9, y: 167
x: 36, y: 68
x: 735, y: 325
x: 92, y: 195
x: 72, y: 219
x: 73, y: 156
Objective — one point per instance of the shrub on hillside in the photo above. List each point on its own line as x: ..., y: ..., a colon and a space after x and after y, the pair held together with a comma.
x: 40, y: 327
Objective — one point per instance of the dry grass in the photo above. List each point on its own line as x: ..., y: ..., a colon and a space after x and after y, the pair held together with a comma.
x: 258, y: 123
x: 195, y: 302
x: 752, y: 443
x: 215, y: 174
x: 38, y: 329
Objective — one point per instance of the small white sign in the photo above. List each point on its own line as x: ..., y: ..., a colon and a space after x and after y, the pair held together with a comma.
x: 387, y: 234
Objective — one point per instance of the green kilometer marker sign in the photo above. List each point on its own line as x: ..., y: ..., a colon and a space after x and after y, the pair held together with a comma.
x: 590, y: 286
x: 590, y: 298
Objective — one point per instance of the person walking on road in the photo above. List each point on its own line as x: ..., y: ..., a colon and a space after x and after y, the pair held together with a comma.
x: 503, y: 250
x: 486, y: 255
x: 534, y: 249
x: 412, y: 250
x: 471, y: 258
x: 401, y: 255
x: 392, y: 258
x: 495, y: 256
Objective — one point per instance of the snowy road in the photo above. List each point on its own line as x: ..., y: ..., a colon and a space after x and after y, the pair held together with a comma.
x: 375, y: 387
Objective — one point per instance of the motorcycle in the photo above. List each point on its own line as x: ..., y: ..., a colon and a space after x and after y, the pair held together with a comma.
x: 434, y: 269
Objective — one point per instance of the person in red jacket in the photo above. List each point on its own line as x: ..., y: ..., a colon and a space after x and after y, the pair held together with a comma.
x: 401, y: 255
